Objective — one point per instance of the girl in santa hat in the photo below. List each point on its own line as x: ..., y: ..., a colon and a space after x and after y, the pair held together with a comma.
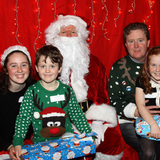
x: 15, y: 78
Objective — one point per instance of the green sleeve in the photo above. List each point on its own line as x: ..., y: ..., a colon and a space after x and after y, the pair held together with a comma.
x: 117, y: 96
x: 77, y: 116
x: 24, y: 119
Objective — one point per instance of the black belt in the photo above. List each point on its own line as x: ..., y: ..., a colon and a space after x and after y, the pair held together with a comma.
x: 85, y: 105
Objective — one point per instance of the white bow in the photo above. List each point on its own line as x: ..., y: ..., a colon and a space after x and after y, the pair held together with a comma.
x: 157, y: 86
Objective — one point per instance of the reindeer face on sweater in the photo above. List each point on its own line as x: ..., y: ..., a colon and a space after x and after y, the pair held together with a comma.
x: 53, y: 118
x: 53, y: 122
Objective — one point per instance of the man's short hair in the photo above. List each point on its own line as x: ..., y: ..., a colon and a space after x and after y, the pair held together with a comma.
x: 135, y: 26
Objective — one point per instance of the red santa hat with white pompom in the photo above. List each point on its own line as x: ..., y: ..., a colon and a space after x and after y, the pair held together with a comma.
x: 50, y: 112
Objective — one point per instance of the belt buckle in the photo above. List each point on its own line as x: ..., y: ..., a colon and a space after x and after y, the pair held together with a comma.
x: 84, y: 105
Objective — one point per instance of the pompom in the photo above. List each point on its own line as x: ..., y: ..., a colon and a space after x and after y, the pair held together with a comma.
x: 36, y: 115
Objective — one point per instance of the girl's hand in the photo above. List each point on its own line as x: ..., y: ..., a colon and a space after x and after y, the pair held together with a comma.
x: 155, y: 131
x: 18, y: 151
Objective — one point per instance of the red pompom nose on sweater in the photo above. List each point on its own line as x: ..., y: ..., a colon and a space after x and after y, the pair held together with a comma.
x: 54, y: 130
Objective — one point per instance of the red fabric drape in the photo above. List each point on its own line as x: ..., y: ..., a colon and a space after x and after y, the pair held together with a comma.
x: 22, y: 22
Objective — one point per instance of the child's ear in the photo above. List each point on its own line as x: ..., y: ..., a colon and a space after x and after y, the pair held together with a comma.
x: 60, y: 70
x: 36, y: 68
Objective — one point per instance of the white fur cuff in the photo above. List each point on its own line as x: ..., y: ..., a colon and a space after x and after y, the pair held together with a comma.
x: 103, y: 113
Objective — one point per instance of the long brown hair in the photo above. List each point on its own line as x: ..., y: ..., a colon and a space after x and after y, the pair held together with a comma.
x: 145, y: 76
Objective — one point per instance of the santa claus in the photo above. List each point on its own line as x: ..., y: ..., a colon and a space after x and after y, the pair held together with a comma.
x: 87, y: 76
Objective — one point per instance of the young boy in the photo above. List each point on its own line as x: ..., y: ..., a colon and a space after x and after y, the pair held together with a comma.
x: 48, y: 104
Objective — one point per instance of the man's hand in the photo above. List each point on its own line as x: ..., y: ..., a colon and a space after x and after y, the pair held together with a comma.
x: 136, y: 113
x: 97, y: 127
x: 153, y: 111
x: 152, y: 107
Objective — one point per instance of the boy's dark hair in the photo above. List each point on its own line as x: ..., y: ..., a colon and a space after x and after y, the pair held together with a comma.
x: 135, y: 26
x: 49, y: 51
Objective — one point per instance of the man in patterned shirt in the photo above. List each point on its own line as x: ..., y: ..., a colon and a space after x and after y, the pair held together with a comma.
x: 122, y: 80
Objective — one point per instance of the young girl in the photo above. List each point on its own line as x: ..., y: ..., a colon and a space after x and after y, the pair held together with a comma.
x: 49, y: 104
x: 15, y: 78
x: 148, y: 90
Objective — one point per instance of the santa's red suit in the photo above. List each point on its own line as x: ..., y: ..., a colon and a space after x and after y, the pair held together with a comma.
x: 113, y: 144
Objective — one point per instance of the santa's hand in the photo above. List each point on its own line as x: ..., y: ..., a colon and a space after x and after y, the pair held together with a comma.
x: 97, y: 127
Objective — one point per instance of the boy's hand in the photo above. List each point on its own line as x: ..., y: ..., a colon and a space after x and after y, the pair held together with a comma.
x: 18, y: 151
x: 12, y: 152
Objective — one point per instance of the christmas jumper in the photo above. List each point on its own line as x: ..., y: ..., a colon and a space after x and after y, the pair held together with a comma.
x: 122, y: 80
x: 39, y: 100
x: 9, y: 109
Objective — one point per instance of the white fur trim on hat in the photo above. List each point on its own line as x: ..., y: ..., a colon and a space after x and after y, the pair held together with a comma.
x: 103, y: 112
x: 71, y: 19
x: 53, y: 114
x: 15, y: 48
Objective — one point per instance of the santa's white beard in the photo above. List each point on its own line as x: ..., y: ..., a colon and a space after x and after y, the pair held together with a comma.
x: 76, y: 58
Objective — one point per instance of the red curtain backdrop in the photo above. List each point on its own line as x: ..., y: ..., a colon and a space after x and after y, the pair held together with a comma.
x: 24, y: 22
